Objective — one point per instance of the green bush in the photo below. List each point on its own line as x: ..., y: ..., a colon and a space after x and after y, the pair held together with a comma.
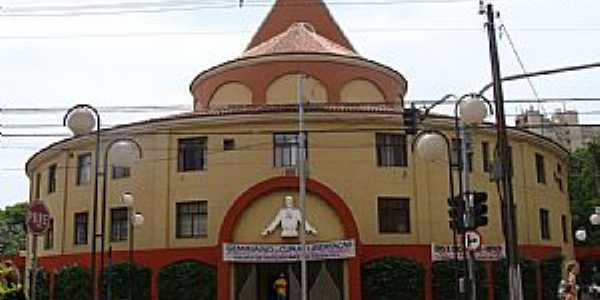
x: 120, y: 281
x: 187, y: 280
x: 444, y: 282
x: 392, y: 278
x: 551, y: 269
x: 528, y: 276
x: 589, y: 271
x: 42, y: 289
x: 72, y: 282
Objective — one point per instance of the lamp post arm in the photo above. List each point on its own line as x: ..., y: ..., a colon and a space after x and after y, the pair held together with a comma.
x: 433, y: 105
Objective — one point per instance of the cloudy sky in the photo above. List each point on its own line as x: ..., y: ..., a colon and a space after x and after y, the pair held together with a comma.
x: 56, y: 53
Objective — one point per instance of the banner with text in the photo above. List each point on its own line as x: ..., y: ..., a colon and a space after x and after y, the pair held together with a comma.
x: 288, y: 252
x: 486, y: 253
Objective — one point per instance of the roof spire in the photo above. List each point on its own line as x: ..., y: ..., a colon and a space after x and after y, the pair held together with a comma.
x: 287, y: 12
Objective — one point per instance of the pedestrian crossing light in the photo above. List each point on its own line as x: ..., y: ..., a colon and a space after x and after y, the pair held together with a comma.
x: 480, y: 209
x: 456, y: 213
x: 410, y: 117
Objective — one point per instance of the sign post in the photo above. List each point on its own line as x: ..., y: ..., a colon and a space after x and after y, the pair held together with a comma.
x: 38, y: 220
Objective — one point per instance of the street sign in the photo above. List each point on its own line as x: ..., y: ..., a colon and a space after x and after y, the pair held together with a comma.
x: 38, y: 217
x: 472, y: 240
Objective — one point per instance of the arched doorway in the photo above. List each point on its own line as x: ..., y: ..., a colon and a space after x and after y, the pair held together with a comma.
x: 251, y: 213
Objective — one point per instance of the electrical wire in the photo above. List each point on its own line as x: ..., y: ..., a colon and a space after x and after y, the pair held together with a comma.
x: 180, y: 6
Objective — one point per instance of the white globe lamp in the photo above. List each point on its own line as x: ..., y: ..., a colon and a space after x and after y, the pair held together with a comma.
x: 81, y: 121
x: 472, y: 110
x: 124, y: 153
x: 431, y: 147
x: 595, y: 219
x: 137, y: 219
x: 580, y: 235
x: 127, y: 199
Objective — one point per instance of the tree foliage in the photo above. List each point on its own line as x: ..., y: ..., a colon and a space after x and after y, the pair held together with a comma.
x: 13, y: 237
x: 584, y: 189
x: 121, y: 282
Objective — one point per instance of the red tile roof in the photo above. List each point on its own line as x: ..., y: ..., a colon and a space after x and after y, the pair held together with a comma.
x: 298, y: 38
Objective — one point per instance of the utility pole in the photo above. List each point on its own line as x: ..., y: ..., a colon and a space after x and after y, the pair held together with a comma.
x: 302, y: 186
x: 503, y: 166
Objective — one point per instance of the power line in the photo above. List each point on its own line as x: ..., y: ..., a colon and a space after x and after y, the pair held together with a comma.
x: 188, y: 108
x: 520, y: 61
x: 179, y: 6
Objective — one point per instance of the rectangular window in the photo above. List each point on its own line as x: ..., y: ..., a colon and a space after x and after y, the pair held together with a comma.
x: 565, y: 228
x: 559, y: 177
x: 456, y: 147
x: 38, y: 179
x: 393, y: 215
x: 485, y: 157
x: 49, y: 236
x: 191, y: 154
x: 391, y: 150
x: 81, y: 228
x: 120, y: 172
x: 545, y: 224
x: 539, y: 168
x: 84, y: 168
x: 119, y: 224
x: 191, y: 219
x: 52, y: 179
x: 285, y: 149
x: 228, y: 144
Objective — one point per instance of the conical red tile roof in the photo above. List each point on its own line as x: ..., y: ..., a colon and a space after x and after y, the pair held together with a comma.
x: 298, y: 38
x: 287, y: 12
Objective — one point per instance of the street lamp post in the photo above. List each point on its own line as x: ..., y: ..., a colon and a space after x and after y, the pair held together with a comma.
x: 81, y: 120
x: 126, y: 152
x: 429, y: 144
x: 135, y: 219
x: 469, y: 111
x: 581, y: 234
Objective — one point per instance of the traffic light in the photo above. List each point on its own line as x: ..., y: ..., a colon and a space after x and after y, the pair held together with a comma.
x: 410, y: 117
x: 480, y: 209
x: 456, y: 212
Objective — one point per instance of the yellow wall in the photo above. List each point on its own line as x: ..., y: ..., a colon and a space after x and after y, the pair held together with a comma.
x: 361, y: 91
x: 231, y: 94
x: 344, y: 160
x: 284, y: 90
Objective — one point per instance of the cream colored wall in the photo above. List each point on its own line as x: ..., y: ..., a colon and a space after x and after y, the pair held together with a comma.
x: 361, y: 90
x: 343, y: 160
x: 231, y: 94
x: 284, y: 90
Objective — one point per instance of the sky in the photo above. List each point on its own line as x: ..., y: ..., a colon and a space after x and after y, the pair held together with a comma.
x: 58, y: 53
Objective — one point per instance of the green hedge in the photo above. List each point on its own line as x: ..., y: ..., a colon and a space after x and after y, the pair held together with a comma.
x: 444, y: 283
x: 187, y: 280
x: 551, y: 269
x: 72, y: 282
x: 587, y: 275
x: 528, y: 278
x: 42, y: 291
x: 120, y: 282
x: 392, y: 278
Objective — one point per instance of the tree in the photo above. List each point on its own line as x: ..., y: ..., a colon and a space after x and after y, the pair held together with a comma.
x: 12, y: 238
x: 584, y: 186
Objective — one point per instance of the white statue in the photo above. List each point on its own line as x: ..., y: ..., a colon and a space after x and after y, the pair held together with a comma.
x: 290, y: 219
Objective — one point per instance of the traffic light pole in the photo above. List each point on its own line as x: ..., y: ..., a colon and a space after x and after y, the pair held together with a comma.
x: 465, y: 135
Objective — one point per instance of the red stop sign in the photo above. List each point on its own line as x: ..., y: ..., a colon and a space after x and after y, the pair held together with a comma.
x: 38, y: 217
